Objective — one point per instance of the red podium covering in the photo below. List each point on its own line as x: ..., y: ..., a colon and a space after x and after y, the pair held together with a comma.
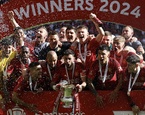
x: 45, y: 103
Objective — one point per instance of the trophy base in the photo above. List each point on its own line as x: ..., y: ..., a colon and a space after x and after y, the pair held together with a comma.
x: 67, y: 106
x: 67, y: 102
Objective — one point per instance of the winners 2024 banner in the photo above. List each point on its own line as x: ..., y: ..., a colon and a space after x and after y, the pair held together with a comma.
x: 31, y: 13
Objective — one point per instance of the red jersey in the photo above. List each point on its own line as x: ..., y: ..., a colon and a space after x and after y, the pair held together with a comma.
x: 15, y: 69
x: 121, y: 59
x: 48, y: 71
x: 114, y: 69
x: 68, y: 75
x: 88, y: 51
x: 139, y: 83
x: 23, y: 84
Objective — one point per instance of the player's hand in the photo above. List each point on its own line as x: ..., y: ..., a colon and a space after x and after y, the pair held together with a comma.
x: 113, y: 96
x: 92, y: 16
x: 79, y: 88
x: 99, y: 101
x: 135, y: 110
x: 11, y: 15
x: 57, y: 87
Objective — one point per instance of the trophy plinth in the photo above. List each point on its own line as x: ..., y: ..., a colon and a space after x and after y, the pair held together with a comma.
x: 67, y: 98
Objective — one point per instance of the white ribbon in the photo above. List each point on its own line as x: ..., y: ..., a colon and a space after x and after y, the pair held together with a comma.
x: 135, y: 78
x: 48, y: 68
x: 73, y: 69
x: 105, y: 73
x: 83, y: 58
x: 30, y: 84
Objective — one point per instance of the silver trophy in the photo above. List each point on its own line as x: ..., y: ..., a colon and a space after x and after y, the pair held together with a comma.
x: 67, y: 98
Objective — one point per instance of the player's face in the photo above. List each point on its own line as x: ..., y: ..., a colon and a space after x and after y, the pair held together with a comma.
x: 53, y: 40
x: 70, y: 35
x: 131, y: 67
x: 37, y: 71
x: 117, y: 45
x: 62, y: 32
x: 25, y: 53
x: 19, y: 33
x: 103, y: 55
x: 107, y: 40
x: 127, y: 32
x: 68, y: 60
x: 6, y: 49
x: 41, y: 35
x: 52, y: 61
x: 82, y: 34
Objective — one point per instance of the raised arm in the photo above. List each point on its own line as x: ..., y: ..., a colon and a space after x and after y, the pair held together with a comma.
x: 12, y: 19
x: 98, y: 25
